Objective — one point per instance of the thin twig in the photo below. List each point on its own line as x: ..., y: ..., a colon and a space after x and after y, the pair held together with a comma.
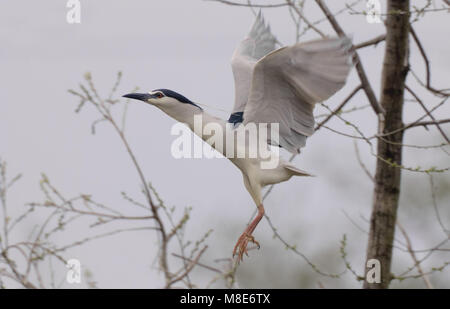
x: 427, y: 112
x: 413, y: 256
x: 378, y: 109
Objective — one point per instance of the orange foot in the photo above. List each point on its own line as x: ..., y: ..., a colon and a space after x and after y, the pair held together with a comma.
x: 242, y: 245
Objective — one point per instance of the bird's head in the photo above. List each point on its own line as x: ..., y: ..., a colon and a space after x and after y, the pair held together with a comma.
x: 162, y: 98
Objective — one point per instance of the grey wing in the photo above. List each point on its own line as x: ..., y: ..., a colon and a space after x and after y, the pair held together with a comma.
x: 258, y: 43
x: 288, y: 82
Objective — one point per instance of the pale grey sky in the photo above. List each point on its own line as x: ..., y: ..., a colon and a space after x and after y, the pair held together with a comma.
x: 184, y: 45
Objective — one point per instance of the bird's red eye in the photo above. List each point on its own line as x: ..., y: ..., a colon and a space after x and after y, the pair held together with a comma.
x: 159, y: 95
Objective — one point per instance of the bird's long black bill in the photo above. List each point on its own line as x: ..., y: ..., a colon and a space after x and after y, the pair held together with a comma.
x: 138, y: 96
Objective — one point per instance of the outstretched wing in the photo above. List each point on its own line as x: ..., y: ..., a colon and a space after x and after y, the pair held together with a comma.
x: 288, y: 82
x: 259, y: 43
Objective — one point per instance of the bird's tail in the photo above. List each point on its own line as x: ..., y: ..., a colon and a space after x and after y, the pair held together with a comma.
x: 294, y: 171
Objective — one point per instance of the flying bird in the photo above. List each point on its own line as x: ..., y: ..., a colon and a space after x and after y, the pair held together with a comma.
x: 272, y: 86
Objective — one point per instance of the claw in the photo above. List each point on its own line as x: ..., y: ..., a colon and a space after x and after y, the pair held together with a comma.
x: 242, y: 245
x: 253, y: 240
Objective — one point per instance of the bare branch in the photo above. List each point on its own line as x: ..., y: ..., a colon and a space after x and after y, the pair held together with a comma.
x: 250, y: 4
x: 199, y: 264
x: 302, y: 16
x: 413, y: 256
x: 427, y: 65
x: 378, y: 109
x: 373, y: 41
x: 188, y: 269
x: 363, y: 166
x: 427, y: 123
x: 428, y: 113
x: 339, y: 108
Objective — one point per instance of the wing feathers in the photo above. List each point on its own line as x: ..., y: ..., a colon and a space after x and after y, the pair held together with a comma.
x: 283, y: 85
x: 288, y: 82
x: 260, y: 42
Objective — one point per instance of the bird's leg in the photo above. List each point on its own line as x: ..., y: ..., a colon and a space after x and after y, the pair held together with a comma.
x: 247, y: 235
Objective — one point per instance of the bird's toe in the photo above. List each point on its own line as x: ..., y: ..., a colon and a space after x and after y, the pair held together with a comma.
x: 241, y: 246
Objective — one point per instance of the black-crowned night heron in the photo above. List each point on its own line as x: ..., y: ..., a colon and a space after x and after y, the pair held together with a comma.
x: 272, y: 86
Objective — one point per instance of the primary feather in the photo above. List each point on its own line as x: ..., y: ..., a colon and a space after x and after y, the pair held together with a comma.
x: 259, y: 42
x: 282, y: 86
